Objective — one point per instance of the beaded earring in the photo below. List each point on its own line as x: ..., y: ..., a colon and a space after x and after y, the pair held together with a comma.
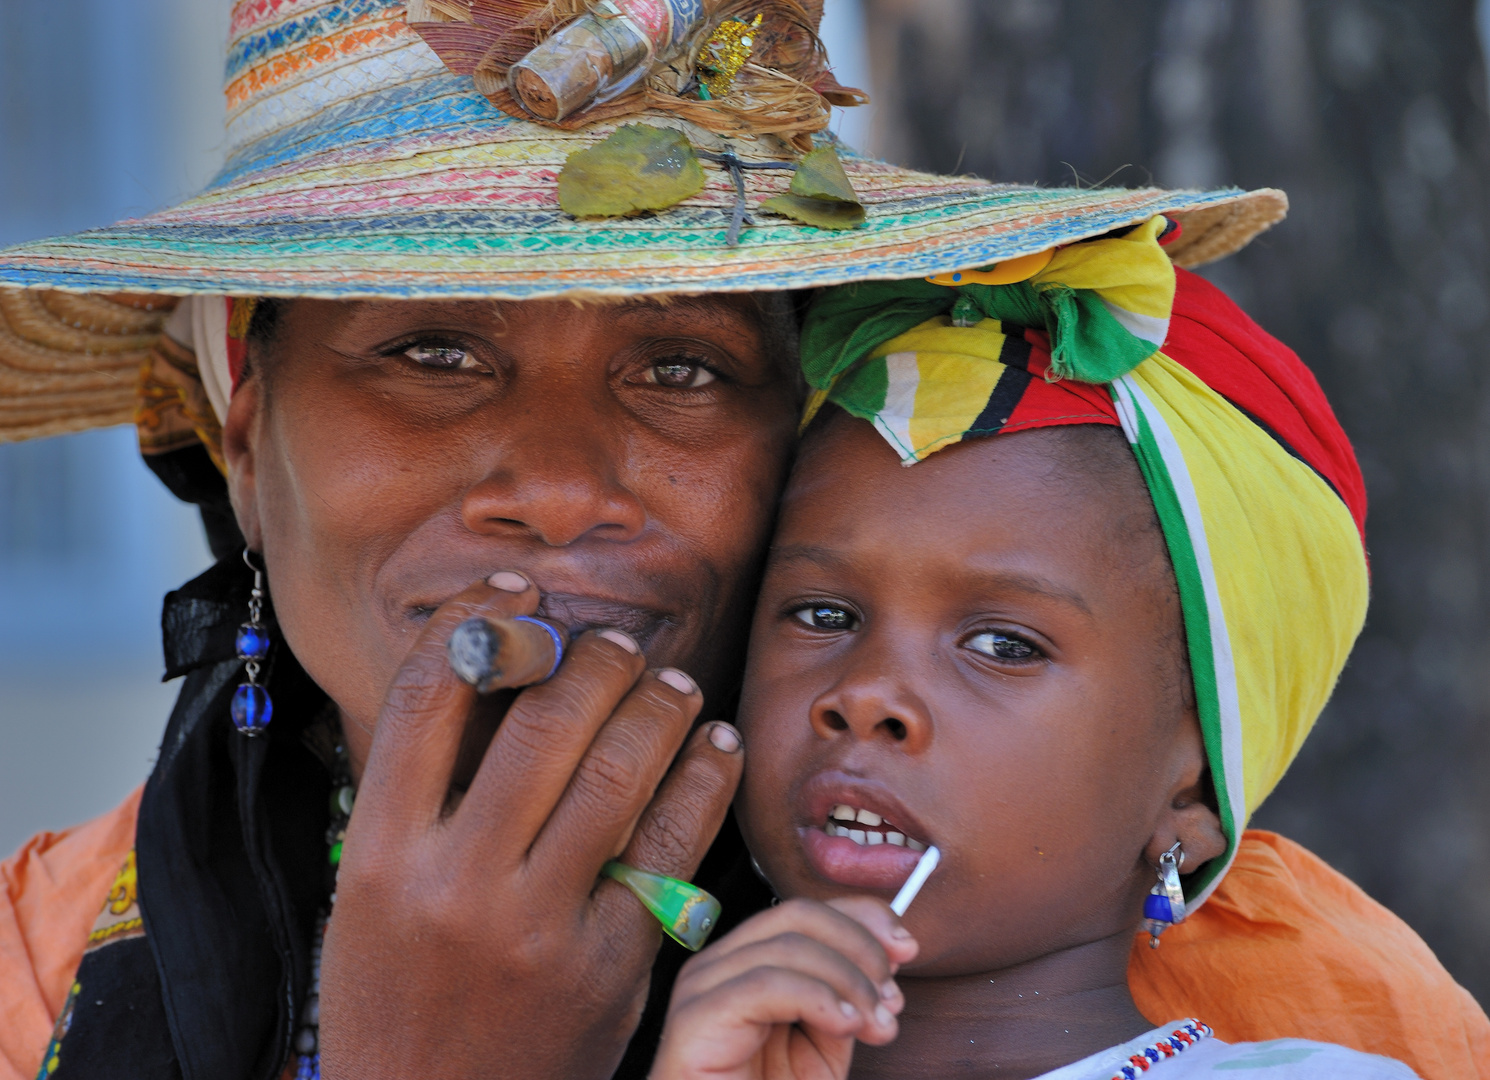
x: 252, y: 708
x: 1165, y: 904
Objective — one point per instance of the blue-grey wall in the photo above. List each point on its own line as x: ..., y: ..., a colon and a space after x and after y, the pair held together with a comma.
x: 107, y: 110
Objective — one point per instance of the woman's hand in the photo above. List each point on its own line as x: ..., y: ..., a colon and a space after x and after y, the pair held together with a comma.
x: 477, y: 941
x: 785, y: 995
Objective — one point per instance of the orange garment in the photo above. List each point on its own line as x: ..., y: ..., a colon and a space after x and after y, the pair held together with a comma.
x: 1286, y: 946
x: 55, y: 886
x: 1289, y: 947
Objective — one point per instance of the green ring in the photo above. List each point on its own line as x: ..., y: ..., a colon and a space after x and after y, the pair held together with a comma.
x: 687, y: 913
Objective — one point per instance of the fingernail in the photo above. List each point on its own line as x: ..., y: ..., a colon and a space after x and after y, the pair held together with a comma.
x: 507, y: 581
x: 724, y: 738
x: 889, y: 991
x: 626, y: 641
x: 900, y: 933
x: 677, y: 680
x: 882, y: 1016
x: 849, y: 1010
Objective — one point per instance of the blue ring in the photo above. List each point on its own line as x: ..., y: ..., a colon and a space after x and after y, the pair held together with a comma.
x: 558, y: 643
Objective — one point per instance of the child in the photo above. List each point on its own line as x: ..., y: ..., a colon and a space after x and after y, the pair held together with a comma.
x: 1071, y: 658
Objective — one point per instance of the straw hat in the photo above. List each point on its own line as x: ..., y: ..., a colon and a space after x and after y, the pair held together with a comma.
x: 363, y: 163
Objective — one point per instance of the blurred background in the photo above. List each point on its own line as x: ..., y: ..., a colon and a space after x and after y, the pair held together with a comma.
x: 1370, y: 113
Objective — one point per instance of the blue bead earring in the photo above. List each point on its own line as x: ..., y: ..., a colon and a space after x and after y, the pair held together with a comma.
x: 1165, y: 904
x: 252, y: 708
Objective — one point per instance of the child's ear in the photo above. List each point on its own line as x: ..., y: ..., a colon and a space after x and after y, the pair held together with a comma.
x: 1187, y: 815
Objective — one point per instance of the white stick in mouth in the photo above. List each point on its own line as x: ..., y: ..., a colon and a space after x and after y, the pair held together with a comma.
x: 918, y: 878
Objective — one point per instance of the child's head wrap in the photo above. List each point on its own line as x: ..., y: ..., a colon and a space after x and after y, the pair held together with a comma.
x: 1256, y: 487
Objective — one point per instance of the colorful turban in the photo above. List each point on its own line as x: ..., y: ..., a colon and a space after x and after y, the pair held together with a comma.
x: 1256, y: 487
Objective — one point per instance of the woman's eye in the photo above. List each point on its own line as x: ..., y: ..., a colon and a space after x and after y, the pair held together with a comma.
x: 1003, y: 646
x: 680, y: 375
x: 825, y: 617
x: 441, y: 356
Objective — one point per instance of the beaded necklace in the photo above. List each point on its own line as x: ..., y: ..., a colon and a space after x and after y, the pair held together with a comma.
x: 1181, y: 1038
x: 307, y: 1037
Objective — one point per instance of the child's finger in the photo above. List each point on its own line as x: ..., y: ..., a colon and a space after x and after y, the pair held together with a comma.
x: 838, y: 931
x: 720, y: 1032
x: 886, y: 926
x: 801, y: 954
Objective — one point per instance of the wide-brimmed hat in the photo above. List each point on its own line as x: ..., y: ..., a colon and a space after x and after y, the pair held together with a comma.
x: 363, y: 163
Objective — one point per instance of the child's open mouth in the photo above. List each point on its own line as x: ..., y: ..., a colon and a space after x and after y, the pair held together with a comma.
x: 867, y: 828
x: 856, y: 832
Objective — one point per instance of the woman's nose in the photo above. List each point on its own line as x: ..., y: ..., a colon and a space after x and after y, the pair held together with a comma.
x: 556, y: 478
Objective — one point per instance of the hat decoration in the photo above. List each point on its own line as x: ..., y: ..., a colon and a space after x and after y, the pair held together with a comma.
x: 733, y: 67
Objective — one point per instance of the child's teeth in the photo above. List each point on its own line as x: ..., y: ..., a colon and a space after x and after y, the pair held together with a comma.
x: 867, y: 837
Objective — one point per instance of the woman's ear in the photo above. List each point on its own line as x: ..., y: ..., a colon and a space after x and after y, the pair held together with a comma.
x: 1187, y: 815
x: 240, y: 444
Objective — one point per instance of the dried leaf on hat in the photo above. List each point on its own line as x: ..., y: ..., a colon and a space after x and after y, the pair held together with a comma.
x: 638, y: 168
x: 820, y: 194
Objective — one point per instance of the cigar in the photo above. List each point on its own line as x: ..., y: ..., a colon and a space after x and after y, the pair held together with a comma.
x: 495, y: 654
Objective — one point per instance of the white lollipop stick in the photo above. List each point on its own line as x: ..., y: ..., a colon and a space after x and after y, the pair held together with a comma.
x: 918, y: 878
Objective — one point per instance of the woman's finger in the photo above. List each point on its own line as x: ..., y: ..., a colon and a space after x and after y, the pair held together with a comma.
x: 544, y: 736
x: 616, y: 779
x: 680, y: 823
x: 425, y: 710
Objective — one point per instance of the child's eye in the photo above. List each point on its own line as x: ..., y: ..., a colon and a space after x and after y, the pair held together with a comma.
x: 1003, y: 646
x: 447, y: 357
x: 679, y: 374
x: 826, y: 617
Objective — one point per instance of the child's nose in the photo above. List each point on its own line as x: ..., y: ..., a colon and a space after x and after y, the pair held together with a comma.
x: 873, y: 708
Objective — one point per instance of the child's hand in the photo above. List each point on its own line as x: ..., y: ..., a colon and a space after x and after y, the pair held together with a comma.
x: 785, y: 995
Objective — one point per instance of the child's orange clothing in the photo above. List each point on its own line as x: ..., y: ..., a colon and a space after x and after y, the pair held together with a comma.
x: 1289, y: 947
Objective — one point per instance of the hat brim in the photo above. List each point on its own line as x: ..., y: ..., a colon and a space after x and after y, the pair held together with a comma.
x: 432, y: 193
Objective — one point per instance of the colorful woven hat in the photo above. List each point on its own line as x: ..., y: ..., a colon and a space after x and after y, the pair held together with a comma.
x: 364, y: 162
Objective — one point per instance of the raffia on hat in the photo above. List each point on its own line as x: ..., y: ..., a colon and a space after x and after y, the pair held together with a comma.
x: 360, y: 166
x: 71, y: 362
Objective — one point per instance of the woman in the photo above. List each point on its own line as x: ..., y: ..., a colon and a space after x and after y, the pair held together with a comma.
x: 396, y: 452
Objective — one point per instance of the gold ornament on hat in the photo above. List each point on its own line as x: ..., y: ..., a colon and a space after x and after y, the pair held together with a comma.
x: 724, y: 54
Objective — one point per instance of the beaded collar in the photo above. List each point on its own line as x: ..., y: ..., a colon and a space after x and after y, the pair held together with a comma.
x: 1181, y: 1038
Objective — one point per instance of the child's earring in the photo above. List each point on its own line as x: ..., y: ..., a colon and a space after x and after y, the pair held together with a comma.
x: 252, y: 708
x: 1165, y: 904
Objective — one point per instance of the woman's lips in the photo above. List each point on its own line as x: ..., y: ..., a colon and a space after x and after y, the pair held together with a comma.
x: 580, y: 613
